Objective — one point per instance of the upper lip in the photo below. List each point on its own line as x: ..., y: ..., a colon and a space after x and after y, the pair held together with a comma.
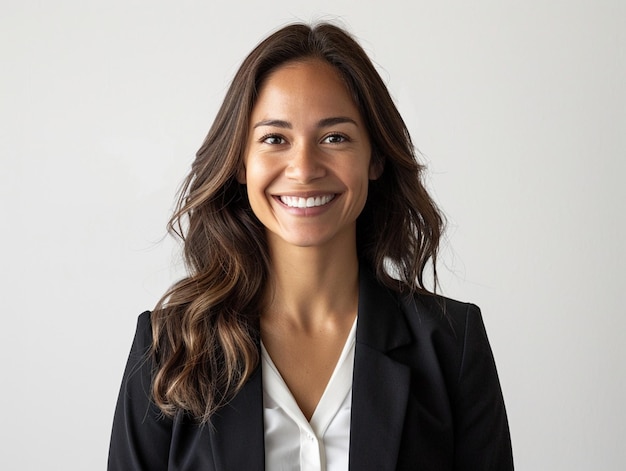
x: 304, y: 194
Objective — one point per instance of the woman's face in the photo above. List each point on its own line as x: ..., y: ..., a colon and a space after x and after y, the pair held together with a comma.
x: 308, y: 157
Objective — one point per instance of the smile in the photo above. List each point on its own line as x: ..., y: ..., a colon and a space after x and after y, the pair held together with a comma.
x: 310, y: 202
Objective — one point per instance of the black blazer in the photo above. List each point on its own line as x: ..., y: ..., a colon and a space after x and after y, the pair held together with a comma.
x: 425, y: 396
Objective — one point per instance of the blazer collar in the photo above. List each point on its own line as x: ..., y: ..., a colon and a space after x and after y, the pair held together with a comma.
x: 380, y: 384
x: 381, y: 324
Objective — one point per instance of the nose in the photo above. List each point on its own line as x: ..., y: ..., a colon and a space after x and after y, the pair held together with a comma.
x: 305, y: 164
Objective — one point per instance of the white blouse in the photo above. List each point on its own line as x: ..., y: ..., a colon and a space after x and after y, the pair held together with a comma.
x: 292, y: 443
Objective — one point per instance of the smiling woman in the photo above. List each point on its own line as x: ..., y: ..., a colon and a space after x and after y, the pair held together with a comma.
x: 303, y: 337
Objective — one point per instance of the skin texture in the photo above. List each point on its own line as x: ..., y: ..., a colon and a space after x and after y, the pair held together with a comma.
x: 307, y: 140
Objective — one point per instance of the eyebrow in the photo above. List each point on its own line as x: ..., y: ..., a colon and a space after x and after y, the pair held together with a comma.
x: 322, y: 123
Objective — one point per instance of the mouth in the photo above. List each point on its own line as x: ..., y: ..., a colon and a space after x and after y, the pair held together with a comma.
x: 310, y: 202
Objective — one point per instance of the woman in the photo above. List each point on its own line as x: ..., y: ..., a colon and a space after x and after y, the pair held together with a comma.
x: 304, y: 336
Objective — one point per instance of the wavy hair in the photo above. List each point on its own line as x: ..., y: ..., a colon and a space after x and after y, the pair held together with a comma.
x: 206, y: 326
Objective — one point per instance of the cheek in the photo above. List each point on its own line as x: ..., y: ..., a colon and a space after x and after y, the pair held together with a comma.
x: 360, y: 178
x: 259, y: 177
x: 256, y: 173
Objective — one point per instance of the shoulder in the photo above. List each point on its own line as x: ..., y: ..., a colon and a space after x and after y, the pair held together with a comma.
x: 423, y: 331
x: 441, y: 323
x: 143, y: 337
x: 418, y: 328
x: 446, y: 322
x: 139, y: 366
x: 144, y: 325
x: 444, y: 315
x: 449, y: 336
x: 389, y: 319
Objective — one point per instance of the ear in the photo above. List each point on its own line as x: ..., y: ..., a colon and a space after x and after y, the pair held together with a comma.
x: 376, y: 169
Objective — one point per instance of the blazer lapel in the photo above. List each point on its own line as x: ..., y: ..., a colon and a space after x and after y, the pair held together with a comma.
x: 380, y: 385
x: 237, y: 436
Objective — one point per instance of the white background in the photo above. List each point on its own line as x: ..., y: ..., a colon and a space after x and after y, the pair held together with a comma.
x: 518, y: 107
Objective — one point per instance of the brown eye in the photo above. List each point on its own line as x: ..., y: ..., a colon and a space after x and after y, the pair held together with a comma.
x: 335, y: 139
x: 272, y: 139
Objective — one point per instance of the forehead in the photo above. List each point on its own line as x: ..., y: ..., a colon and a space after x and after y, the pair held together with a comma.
x: 311, y: 86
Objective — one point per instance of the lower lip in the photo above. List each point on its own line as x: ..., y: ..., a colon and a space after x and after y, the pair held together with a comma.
x: 312, y: 211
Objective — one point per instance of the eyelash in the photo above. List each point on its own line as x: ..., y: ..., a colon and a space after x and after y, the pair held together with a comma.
x: 335, y: 135
x: 271, y: 136
x: 344, y: 138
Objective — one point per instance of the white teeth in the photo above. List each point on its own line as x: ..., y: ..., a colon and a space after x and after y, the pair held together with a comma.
x: 310, y: 202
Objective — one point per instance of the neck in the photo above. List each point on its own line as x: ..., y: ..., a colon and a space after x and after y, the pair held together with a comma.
x: 309, y: 286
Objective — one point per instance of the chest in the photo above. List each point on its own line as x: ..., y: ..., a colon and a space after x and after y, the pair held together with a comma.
x: 305, y: 361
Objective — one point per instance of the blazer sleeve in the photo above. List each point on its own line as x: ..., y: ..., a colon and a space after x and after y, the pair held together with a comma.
x: 481, y: 432
x: 141, y: 435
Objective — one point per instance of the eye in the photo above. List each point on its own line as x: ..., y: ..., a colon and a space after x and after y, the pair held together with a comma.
x: 272, y: 139
x: 335, y: 138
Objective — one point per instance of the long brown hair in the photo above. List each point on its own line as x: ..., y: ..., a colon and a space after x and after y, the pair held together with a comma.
x: 205, y: 328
